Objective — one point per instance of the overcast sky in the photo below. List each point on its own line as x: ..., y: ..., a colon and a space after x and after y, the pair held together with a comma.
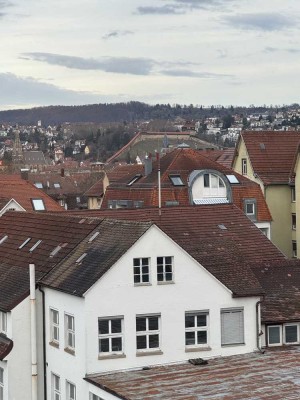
x: 157, y: 51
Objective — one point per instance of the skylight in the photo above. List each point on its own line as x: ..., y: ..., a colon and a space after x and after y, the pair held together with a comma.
x: 134, y: 179
x: 93, y: 237
x: 35, y: 246
x: 38, y: 204
x: 232, y: 179
x: 56, y: 185
x: 222, y: 227
x: 80, y: 258
x: 262, y: 146
x: 3, y: 239
x: 38, y: 185
x: 24, y: 243
x: 55, y: 251
x: 176, y: 180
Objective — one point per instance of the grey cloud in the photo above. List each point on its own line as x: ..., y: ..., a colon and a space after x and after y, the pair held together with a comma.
x: 263, y: 21
x: 16, y: 90
x: 115, y: 34
x: 291, y: 50
x: 194, y: 74
x: 123, y: 65
x: 162, y: 10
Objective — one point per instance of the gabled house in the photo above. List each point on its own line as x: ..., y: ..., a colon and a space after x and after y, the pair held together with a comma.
x: 268, y: 158
x: 187, y: 177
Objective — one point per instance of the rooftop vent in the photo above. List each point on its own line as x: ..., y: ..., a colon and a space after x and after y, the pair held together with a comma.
x: 80, y: 258
x: 35, y: 246
x: 24, y: 243
x: 93, y: 237
x: 222, y: 227
x: 198, y: 361
x: 3, y: 239
x: 55, y: 251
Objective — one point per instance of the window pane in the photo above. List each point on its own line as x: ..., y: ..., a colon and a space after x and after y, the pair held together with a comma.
x: 153, y: 323
x: 168, y: 268
x: 201, y: 337
x: 206, y: 180
x: 189, y: 338
x: 201, y: 320
x: 221, y: 183
x: 214, y: 181
x: 140, y: 324
x: 291, y: 334
x: 141, y: 342
x: 144, y: 261
x: 145, y: 269
x: 159, y: 260
x: 168, y: 260
x: 116, y: 344
x: 160, y: 277
x: 103, y: 326
x: 169, y: 276
x: 104, y: 345
x: 274, y: 335
x: 136, y: 262
x: 137, y: 279
x: 189, y: 321
x: 145, y: 278
x: 153, y: 341
x: 160, y: 269
x: 116, y: 326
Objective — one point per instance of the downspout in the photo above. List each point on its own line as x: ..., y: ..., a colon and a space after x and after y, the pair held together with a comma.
x: 44, y: 344
x: 33, y: 332
x: 258, y: 327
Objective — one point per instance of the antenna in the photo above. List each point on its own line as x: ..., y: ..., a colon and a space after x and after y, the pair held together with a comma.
x: 159, y: 184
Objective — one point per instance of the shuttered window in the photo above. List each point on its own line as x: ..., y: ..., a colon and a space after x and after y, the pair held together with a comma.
x: 232, y: 326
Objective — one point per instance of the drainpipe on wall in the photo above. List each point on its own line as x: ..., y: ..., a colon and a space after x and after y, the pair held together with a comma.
x: 258, y: 326
x: 44, y: 343
x: 33, y: 332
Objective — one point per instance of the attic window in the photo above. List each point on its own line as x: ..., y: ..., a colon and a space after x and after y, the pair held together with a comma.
x: 38, y: 204
x: 93, y: 237
x: 222, y: 227
x: 232, y: 179
x: 176, y: 180
x: 3, y: 239
x: 262, y: 146
x: 134, y: 179
x: 24, y: 243
x: 80, y: 258
x: 35, y: 246
x: 56, y: 185
x: 38, y: 185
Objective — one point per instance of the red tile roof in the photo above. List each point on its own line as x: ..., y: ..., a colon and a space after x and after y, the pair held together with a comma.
x: 272, y: 154
x: 223, y: 157
x: 23, y: 191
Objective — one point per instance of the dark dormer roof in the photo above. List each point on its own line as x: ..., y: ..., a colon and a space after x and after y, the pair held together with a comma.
x: 6, y: 346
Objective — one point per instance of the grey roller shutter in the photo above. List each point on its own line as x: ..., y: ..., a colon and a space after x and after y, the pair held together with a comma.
x: 232, y: 326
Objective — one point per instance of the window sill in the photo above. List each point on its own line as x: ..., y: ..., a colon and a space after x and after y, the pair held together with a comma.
x: 165, y: 282
x: 233, y: 344
x: 148, y: 353
x: 196, y: 349
x: 54, y: 344
x: 110, y: 356
x: 69, y: 351
x: 143, y: 284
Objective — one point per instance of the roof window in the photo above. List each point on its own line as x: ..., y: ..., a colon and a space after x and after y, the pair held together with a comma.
x: 262, y: 146
x: 176, y: 180
x: 222, y: 227
x: 56, y: 185
x: 93, y: 237
x: 55, y: 251
x: 38, y: 185
x: 80, y: 258
x: 2, y: 240
x: 232, y: 179
x: 38, y: 204
x: 24, y: 243
x: 134, y: 179
x: 35, y: 246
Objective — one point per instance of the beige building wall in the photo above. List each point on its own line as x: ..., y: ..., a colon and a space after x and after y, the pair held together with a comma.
x: 278, y: 198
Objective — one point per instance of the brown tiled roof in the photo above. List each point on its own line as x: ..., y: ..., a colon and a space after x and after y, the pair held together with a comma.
x: 281, y: 282
x: 226, y: 253
x: 270, y: 376
x: 52, y: 230
x: 96, y: 190
x: 182, y: 162
x: 124, y: 172
x: 272, y: 154
x: 23, y: 191
x: 6, y: 346
x: 223, y: 157
x: 113, y: 240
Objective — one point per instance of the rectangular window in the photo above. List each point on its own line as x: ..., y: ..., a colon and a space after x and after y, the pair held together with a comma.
x: 291, y: 333
x: 164, y: 269
x: 176, y: 180
x: 69, y: 332
x: 250, y: 208
x: 274, y: 335
x: 206, y: 181
x: 110, y: 334
x: 244, y: 166
x: 232, y: 326
x: 71, y: 391
x: 3, y: 322
x: 294, y: 248
x: 54, y: 326
x: 56, y: 393
x: 294, y: 221
x: 38, y: 204
x: 293, y: 194
x: 141, y: 270
x: 92, y: 396
x: 1, y: 384
x: 148, y: 332
x: 196, y: 328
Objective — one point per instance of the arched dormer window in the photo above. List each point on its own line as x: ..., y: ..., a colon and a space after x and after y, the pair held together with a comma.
x: 209, y: 187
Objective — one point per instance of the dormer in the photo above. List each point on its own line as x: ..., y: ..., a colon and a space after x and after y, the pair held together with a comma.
x: 209, y: 187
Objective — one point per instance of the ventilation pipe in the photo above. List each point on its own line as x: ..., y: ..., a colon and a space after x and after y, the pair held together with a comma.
x: 33, y: 332
x: 148, y: 164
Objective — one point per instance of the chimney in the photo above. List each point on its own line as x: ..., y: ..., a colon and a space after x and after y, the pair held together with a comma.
x: 25, y: 174
x: 148, y: 164
x: 62, y: 172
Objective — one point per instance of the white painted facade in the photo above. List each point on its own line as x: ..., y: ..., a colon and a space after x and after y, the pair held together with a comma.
x: 12, y: 205
x: 115, y: 295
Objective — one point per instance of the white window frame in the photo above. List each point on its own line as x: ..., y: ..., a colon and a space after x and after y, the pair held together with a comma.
x: 176, y: 180
x: 140, y: 277
x: 280, y: 335
x: 3, y: 322
x: 148, y: 333
x: 69, y: 332
x: 93, y: 396
x: 69, y: 396
x: 226, y: 323
x: 284, y: 333
x: 54, y: 326
x: 55, y: 391
x: 1, y: 383
x: 195, y: 329
x: 164, y: 274
x: 38, y: 204
x: 244, y: 166
x: 110, y: 336
x: 213, y: 185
